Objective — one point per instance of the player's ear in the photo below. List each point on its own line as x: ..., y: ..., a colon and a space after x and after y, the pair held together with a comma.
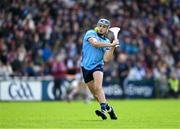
x: 107, y: 29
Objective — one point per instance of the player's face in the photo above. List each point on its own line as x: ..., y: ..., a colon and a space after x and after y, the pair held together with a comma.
x: 102, y: 29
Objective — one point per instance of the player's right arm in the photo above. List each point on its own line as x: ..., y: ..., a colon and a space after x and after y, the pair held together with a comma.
x: 98, y: 44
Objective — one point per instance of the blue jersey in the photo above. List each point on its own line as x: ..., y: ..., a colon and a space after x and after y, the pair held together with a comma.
x: 92, y: 56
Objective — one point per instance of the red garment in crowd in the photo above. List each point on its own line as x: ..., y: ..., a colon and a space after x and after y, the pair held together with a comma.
x: 58, y: 69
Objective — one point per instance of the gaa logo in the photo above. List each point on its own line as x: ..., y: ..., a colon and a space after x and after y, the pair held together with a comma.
x: 20, y: 90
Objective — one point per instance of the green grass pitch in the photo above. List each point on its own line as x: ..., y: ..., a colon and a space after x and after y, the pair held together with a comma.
x: 132, y: 114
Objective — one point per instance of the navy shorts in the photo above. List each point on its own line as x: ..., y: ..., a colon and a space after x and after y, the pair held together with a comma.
x: 88, y: 74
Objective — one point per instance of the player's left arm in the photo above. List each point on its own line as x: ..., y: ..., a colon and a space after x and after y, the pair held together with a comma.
x: 109, y: 53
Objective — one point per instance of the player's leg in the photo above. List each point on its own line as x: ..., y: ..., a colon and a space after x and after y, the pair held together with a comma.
x: 92, y: 88
x: 96, y: 88
x: 98, y: 80
x: 94, y: 79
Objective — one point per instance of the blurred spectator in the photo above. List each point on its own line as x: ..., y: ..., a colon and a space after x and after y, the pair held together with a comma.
x: 128, y: 46
x: 123, y: 68
x: 174, y: 86
x: 58, y: 70
x: 160, y: 75
x: 137, y: 72
x: 5, y: 69
x: 47, y: 53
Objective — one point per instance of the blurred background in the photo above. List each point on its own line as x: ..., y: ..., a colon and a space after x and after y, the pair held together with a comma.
x: 41, y: 41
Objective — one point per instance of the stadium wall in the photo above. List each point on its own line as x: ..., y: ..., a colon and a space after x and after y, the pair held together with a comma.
x: 42, y: 89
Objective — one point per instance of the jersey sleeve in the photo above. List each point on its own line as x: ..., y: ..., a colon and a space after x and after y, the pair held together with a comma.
x: 90, y: 34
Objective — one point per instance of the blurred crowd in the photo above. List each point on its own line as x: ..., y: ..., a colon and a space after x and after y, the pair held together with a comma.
x: 44, y: 38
